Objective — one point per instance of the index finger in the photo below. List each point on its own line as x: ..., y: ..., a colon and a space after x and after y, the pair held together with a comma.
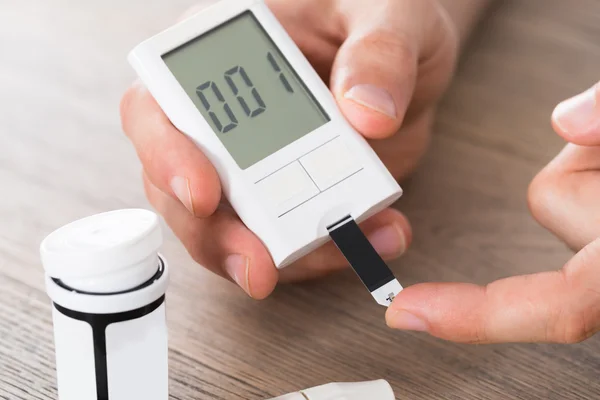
x: 172, y: 162
x: 561, y: 306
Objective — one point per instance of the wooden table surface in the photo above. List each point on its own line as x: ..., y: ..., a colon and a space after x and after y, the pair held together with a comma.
x: 62, y: 157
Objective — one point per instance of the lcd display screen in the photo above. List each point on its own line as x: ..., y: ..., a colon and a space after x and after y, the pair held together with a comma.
x: 245, y: 88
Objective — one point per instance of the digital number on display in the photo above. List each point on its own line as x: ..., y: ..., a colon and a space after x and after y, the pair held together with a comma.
x: 230, y: 77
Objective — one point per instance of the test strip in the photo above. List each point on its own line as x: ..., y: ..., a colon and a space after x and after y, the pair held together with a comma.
x: 368, y: 265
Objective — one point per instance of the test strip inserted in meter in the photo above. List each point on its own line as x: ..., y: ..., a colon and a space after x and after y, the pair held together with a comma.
x: 292, y: 167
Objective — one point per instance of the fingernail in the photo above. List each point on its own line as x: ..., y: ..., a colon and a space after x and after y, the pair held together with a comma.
x: 181, y: 189
x: 373, y: 97
x: 238, y: 268
x: 406, y: 321
x: 389, y: 241
x: 578, y: 113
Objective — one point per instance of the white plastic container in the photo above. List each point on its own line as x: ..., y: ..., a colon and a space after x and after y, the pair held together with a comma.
x: 373, y: 390
x: 107, y: 283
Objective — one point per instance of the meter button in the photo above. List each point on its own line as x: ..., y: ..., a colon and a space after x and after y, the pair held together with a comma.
x: 288, y: 187
x: 330, y: 164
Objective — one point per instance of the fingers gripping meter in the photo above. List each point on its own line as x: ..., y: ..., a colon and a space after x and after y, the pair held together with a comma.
x: 292, y: 167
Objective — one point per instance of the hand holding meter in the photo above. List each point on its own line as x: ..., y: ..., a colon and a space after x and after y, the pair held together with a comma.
x: 295, y: 171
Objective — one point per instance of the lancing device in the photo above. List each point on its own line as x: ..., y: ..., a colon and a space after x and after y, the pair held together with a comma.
x: 374, y: 390
x: 107, y: 283
x: 292, y: 167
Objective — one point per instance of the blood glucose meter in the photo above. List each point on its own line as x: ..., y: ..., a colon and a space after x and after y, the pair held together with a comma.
x: 292, y: 167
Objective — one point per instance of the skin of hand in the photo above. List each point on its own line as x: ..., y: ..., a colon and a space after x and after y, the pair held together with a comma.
x: 560, y: 306
x: 387, y: 64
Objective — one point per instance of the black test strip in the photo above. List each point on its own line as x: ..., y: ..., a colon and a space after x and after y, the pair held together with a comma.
x: 361, y: 255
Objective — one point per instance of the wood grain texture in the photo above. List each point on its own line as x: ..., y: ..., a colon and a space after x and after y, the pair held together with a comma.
x: 62, y: 157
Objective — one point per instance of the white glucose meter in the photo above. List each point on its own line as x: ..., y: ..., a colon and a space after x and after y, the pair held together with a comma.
x: 292, y: 167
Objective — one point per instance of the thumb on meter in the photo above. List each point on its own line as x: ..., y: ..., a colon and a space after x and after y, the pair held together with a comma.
x: 396, y: 55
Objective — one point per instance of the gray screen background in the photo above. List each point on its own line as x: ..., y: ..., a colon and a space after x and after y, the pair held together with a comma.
x: 272, y: 107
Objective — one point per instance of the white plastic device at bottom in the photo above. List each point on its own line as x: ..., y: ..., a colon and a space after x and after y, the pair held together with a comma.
x: 111, y: 343
x: 373, y: 390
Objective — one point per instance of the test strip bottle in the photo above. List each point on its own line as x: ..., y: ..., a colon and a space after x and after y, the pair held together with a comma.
x: 107, y: 282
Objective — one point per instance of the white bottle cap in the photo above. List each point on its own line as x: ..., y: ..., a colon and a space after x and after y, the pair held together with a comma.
x: 104, y: 253
x: 373, y: 390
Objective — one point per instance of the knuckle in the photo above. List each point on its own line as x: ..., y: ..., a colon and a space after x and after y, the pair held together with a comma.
x: 540, y: 197
x: 479, y: 335
x: 578, y: 323
x: 554, y: 328
x: 476, y: 327
x: 403, y: 48
x: 577, y: 328
x: 580, y: 319
x: 390, y: 45
x: 480, y: 332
